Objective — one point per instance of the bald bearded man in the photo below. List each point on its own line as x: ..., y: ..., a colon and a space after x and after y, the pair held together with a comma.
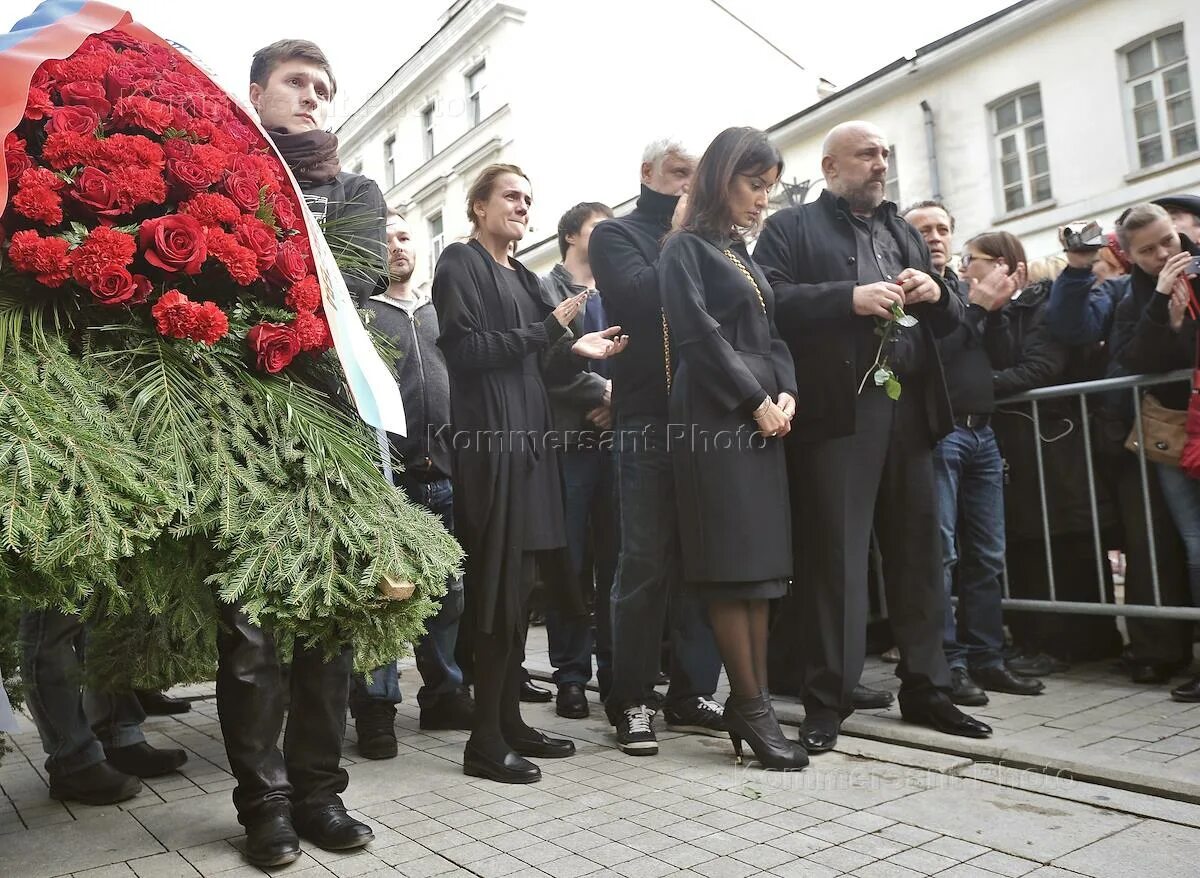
x: 857, y: 457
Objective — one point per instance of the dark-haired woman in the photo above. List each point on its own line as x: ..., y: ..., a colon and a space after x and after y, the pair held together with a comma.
x: 734, y: 394
x: 494, y: 323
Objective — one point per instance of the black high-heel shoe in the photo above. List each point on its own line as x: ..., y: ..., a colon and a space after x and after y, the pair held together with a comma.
x: 753, y: 720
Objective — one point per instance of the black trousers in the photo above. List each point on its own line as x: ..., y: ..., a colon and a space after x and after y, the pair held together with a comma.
x: 881, y: 477
x: 250, y: 704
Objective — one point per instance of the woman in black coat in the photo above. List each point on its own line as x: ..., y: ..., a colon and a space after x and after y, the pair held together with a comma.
x: 731, y: 403
x: 508, y: 495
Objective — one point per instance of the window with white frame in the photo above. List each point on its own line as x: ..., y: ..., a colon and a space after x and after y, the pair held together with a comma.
x: 389, y: 161
x: 427, y: 132
x: 891, y: 186
x: 475, y: 95
x: 1159, y: 95
x: 1020, y: 135
x: 437, y: 239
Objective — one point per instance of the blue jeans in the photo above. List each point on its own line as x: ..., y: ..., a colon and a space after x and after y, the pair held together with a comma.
x: 591, y: 524
x: 1182, y: 495
x: 649, y: 579
x: 434, y: 652
x: 970, y: 489
x: 74, y: 726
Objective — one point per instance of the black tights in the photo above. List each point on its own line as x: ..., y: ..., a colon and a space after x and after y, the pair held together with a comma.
x: 740, y: 629
x: 498, y: 678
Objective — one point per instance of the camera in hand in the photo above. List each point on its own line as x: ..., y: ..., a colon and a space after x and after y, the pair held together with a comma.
x: 1193, y: 267
x: 1081, y: 236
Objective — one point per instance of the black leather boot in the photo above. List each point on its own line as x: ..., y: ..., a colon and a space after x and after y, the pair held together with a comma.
x: 753, y: 720
x: 332, y: 829
x: 270, y: 838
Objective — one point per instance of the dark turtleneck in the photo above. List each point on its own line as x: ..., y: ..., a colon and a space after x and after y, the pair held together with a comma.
x: 624, y: 257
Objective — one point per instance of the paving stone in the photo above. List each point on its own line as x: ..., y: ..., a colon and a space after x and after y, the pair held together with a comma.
x: 119, y: 870
x: 1150, y: 849
x: 75, y: 847
x: 196, y: 821
x: 1003, y: 864
x: 169, y: 865
x: 842, y: 859
x: 1011, y: 821
x: 921, y: 860
x: 725, y: 867
x: 885, y: 870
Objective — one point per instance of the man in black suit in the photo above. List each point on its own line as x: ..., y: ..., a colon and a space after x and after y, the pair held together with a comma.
x: 872, y: 403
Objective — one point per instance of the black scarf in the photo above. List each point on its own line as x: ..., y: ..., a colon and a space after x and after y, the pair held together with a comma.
x: 312, y: 155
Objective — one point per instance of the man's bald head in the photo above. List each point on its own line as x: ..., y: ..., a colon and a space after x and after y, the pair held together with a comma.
x: 854, y: 163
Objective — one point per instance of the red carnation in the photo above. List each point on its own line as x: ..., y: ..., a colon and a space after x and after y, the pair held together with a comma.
x: 275, y: 345
x: 104, y: 248
x: 304, y: 297
x: 210, y: 158
x: 86, y: 94
x: 173, y: 243
x: 211, y: 323
x: 211, y: 209
x: 141, y: 112
x: 45, y: 258
x: 312, y: 331
x: 289, y: 265
x: 77, y: 120
x: 255, y: 235
x: 38, y: 105
x: 39, y: 204
x: 96, y: 191
x: 138, y: 186
x: 240, y: 262
x: 130, y: 149
x: 116, y: 286
x: 16, y: 158
x: 40, y: 178
x: 174, y: 315
x: 66, y: 149
x: 242, y: 189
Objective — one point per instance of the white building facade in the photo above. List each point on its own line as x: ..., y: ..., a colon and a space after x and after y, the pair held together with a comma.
x: 1047, y: 112
x: 570, y: 91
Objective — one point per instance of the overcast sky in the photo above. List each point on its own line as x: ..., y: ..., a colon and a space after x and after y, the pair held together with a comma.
x: 366, y: 40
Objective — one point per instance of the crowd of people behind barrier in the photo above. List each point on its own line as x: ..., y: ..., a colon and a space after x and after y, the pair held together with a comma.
x: 748, y: 402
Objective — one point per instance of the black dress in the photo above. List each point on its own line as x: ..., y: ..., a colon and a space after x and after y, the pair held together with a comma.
x: 731, y: 482
x: 507, y: 492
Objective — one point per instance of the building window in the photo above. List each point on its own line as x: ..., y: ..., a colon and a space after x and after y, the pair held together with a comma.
x: 1160, y: 98
x: 1021, y: 149
x: 427, y: 131
x: 891, y: 186
x: 389, y: 161
x: 475, y: 96
x: 437, y: 240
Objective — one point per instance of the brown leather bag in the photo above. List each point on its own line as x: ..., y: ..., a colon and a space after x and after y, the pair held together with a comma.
x: 1164, y: 429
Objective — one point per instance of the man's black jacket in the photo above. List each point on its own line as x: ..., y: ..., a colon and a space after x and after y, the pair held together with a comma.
x: 809, y: 254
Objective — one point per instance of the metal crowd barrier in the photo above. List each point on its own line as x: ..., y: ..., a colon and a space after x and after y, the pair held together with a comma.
x: 1104, y: 607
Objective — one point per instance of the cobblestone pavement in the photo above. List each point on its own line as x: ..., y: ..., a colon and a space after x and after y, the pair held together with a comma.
x: 873, y: 810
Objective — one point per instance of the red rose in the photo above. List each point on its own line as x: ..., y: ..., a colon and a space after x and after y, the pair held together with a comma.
x: 141, y: 112
x: 289, y: 265
x: 242, y: 189
x: 304, y: 297
x: 211, y: 323
x: 44, y: 258
x: 77, y: 120
x: 85, y: 94
x: 115, y: 286
x: 211, y: 209
x: 177, y: 148
x: 103, y: 248
x: 16, y: 158
x: 96, y: 191
x: 174, y: 315
x: 173, y: 243
x: 188, y: 175
x: 38, y: 105
x: 285, y: 213
x: 274, y: 344
x: 120, y: 81
x: 257, y: 236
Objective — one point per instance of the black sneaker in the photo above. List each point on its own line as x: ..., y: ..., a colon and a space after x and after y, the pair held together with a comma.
x: 635, y: 731
x: 700, y: 716
x: 375, y: 722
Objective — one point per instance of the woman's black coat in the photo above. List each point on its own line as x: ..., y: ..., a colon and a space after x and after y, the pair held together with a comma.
x: 486, y: 347
x: 730, y: 483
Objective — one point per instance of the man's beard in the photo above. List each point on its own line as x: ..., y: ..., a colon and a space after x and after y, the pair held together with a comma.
x: 866, y: 198
x: 401, y: 275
